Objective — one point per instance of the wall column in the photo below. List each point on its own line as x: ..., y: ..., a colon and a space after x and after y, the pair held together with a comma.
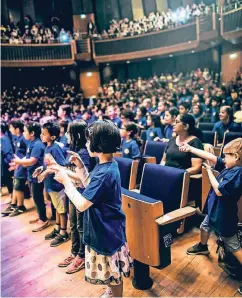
x: 137, y: 8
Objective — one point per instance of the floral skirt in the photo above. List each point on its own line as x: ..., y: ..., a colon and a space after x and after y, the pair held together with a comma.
x: 104, y: 270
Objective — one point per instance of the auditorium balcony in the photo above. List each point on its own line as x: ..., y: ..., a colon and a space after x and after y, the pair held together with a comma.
x: 56, y: 54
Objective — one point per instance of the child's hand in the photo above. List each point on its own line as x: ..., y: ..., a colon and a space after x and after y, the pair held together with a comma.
x: 42, y: 177
x: 16, y: 160
x: 207, y: 166
x: 37, y: 171
x: 76, y: 159
x: 54, y: 168
x: 184, y: 147
x: 164, y: 140
x: 61, y: 176
x: 49, y: 159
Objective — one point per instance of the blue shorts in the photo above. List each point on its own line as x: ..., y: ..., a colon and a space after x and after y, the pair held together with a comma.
x: 232, y: 243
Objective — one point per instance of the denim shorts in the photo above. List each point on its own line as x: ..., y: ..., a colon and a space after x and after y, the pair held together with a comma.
x: 232, y: 243
x: 19, y: 184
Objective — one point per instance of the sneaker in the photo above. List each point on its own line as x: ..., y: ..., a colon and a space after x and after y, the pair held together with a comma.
x: 17, y: 211
x: 198, y: 249
x: 67, y: 261
x: 51, y: 235
x: 77, y: 264
x: 40, y: 225
x: 240, y: 290
x: 59, y: 239
x: 34, y: 220
x: 107, y: 294
x: 9, y: 210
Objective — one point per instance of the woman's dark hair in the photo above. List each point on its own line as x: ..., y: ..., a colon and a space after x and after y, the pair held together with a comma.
x: 17, y: 124
x: 229, y: 111
x: 104, y: 137
x: 67, y: 109
x: 173, y: 112
x: 35, y: 128
x: 5, y: 130
x: 128, y: 115
x: 77, y: 135
x: 143, y: 110
x: 156, y: 120
x: 52, y: 128
x: 192, y: 129
x: 133, y: 129
x: 186, y: 105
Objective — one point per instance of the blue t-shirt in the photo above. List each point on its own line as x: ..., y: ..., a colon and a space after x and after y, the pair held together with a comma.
x: 35, y: 149
x: 130, y: 149
x: 6, y: 154
x: 21, y: 146
x: 221, y: 128
x: 142, y: 121
x: 117, y: 121
x: 104, y: 221
x: 223, y: 210
x: 152, y: 133
x: 168, y: 131
x: 50, y: 183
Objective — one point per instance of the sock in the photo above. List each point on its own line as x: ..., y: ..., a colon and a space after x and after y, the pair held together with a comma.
x: 13, y: 205
x: 57, y: 227
x: 62, y: 231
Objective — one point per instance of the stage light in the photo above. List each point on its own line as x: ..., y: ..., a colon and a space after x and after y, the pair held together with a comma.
x: 83, y: 16
x: 107, y: 64
x: 170, y: 55
x: 233, y: 56
x: 193, y: 52
x: 128, y: 62
x: 89, y: 74
x: 149, y: 59
x: 189, y: 41
x: 64, y: 37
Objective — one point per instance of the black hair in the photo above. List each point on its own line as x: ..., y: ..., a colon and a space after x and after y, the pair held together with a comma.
x: 17, y: 124
x: 134, y: 130
x: 128, y: 115
x: 66, y: 109
x: 156, y: 120
x: 217, y: 99
x: 35, y: 128
x: 77, y: 135
x: 143, y: 110
x: 192, y: 129
x: 53, y: 129
x: 5, y: 130
x: 64, y: 124
x: 186, y: 105
x: 174, y: 112
x: 104, y: 137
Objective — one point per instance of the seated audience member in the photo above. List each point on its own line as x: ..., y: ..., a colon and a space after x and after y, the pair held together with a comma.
x: 186, y: 132
x: 141, y: 117
x: 215, y: 103
x: 113, y: 116
x: 64, y: 113
x: 184, y: 108
x: 131, y: 143
x: 155, y: 129
x: 197, y: 112
x: 226, y: 123
x: 127, y: 116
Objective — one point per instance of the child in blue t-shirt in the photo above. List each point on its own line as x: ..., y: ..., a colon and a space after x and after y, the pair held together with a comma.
x: 154, y: 130
x: 77, y: 141
x: 20, y: 172
x: 7, y: 149
x: 221, y: 205
x: 106, y: 254
x: 130, y: 142
x: 33, y: 160
x: 54, y: 153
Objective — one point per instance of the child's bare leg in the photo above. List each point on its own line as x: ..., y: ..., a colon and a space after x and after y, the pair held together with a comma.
x: 117, y: 290
x: 204, y: 237
x: 20, y: 197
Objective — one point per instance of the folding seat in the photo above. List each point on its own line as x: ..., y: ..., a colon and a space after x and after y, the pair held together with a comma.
x: 205, y: 126
x: 128, y: 172
x: 210, y: 137
x: 150, y: 218
x: 153, y: 151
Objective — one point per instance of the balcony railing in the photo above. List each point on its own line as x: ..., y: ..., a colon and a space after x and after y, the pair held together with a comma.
x: 37, y: 54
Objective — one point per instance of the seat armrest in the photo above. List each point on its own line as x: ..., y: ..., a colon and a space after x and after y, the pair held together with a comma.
x: 197, y: 176
x: 149, y: 159
x: 176, y: 215
x: 135, y: 190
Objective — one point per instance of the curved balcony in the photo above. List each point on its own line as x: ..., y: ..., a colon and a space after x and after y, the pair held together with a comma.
x: 22, y: 55
x: 231, y: 24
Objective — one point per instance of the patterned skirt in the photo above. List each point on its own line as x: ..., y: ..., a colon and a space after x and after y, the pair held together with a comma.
x: 104, y: 270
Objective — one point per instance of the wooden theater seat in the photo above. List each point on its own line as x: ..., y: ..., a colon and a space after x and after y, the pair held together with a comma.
x: 128, y: 169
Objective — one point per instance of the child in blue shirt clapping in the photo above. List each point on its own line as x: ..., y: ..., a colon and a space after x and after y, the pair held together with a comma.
x: 106, y: 254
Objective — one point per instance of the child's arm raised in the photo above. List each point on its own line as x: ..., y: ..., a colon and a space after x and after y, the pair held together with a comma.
x: 201, y: 153
x: 26, y: 162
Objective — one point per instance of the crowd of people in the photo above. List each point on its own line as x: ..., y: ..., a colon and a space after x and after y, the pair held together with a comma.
x: 153, y: 22
x: 50, y: 135
x: 35, y: 33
